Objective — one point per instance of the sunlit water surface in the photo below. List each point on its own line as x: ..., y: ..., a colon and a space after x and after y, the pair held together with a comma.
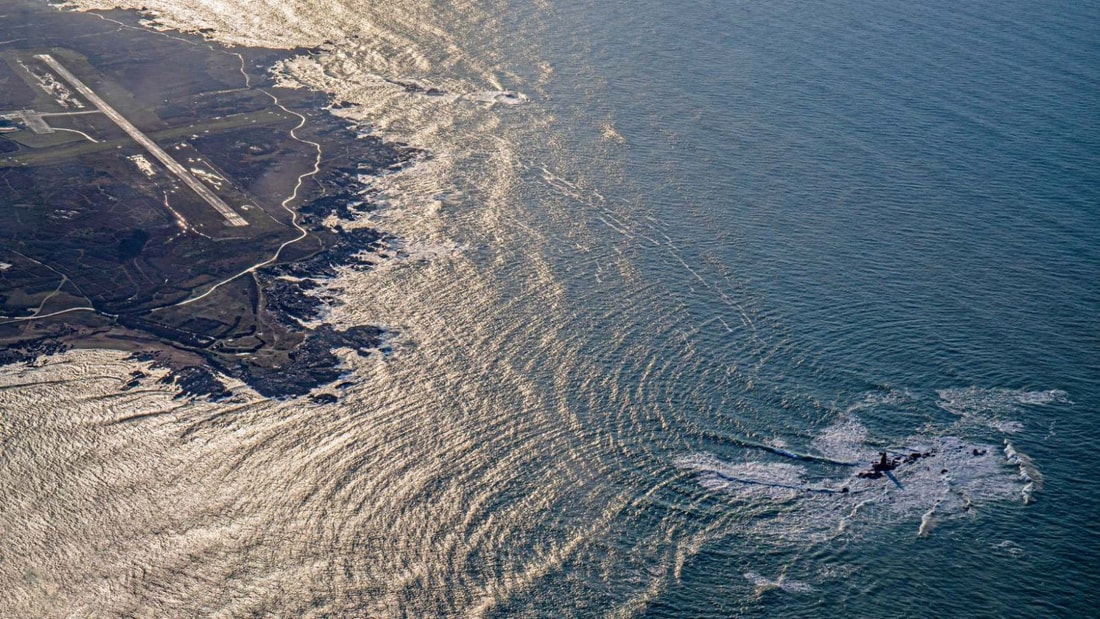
x: 655, y: 252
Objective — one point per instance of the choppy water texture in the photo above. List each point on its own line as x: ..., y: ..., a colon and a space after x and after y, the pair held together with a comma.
x: 667, y: 271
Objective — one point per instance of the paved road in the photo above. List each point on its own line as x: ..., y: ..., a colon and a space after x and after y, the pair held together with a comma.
x: 33, y: 121
x: 231, y: 216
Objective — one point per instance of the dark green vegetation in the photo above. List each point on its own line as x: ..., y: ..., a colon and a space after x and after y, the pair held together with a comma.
x: 103, y: 246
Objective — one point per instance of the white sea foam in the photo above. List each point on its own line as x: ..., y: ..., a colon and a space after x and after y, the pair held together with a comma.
x: 936, y: 478
x: 874, y: 399
x: 975, y: 400
x: 746, y: 480
x: 844, y: 440
x: 783, y: 583
x: 1009, y: 547
x: 1027, y: 472
x: 503, y: 97
x: 989, y: 407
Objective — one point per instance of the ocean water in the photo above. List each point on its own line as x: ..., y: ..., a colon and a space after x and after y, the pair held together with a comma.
x: 648, y: 310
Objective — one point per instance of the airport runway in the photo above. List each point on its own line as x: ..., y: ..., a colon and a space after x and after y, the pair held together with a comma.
x: 226, y: 211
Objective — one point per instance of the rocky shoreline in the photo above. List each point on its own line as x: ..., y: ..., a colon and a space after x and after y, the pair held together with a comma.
x: 264, y: 327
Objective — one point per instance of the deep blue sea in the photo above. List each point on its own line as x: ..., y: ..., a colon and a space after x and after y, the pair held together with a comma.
x: 911, y: 191
x: 653, y: 319
x: 900, y: 197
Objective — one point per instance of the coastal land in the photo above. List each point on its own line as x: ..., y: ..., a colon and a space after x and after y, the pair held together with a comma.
x: 161, y: 195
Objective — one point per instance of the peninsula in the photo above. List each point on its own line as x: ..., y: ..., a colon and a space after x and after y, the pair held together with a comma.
x: 162, y: 196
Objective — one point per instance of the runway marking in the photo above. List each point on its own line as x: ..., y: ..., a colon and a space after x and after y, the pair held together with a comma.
x: 231, y: 216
